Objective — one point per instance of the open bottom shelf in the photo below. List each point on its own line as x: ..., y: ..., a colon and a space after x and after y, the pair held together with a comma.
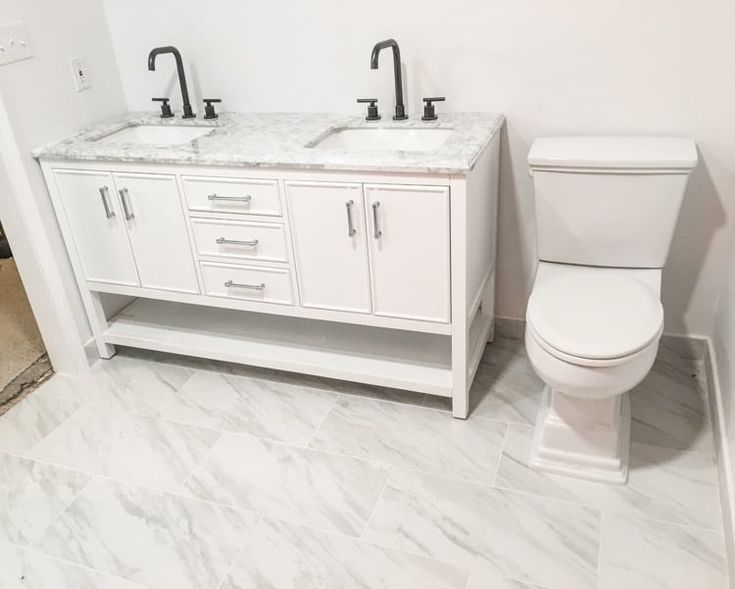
x: 385, y: 357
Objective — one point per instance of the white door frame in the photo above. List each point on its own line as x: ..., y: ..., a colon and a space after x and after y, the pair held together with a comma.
x: 37, y: 259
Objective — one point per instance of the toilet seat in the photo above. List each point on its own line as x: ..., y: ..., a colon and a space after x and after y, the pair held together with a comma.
x: 594, y: 319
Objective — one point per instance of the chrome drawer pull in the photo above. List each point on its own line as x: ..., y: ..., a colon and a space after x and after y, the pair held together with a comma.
x: 127, y: 207
x: 377, y: 232
x: 105, y: 194
x: 260, y: 286
x: 350, y: 226
x: 215, y: 196
x: 225, y: 241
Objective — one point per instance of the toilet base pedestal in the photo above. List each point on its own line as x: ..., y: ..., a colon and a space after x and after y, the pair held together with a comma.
x: 583, y: 438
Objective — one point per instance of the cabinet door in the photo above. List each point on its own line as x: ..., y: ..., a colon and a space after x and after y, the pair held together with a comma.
x: 328, y: 228
x: 97, y: 226
x: 157, y: 228
x: 409, y: 250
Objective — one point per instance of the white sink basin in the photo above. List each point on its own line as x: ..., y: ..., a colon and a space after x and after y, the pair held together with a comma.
x: 387, y: 139
x: 156, y: 134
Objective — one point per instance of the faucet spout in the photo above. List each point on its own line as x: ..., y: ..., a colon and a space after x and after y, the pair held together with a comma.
x: 188, y: 114
x: 397, y: 75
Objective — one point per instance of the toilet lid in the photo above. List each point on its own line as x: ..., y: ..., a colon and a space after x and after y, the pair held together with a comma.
x: 595, y: 316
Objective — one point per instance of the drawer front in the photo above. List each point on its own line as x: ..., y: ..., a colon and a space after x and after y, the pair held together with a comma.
x: 269, y: 285
x: 240, y: 240
x: 232, y: 195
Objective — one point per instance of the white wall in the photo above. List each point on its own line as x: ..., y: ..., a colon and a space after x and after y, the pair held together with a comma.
x: 43, y: 106
x: 570, y: 66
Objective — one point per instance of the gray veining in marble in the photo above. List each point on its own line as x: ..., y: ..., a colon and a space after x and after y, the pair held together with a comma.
x: 521, y: 537
x: 127, y: 447
x: 31, y: 420
x: 277, y: 411
x: 285, y: 556
x: 278, y: 140
x: 413, y: 437
x: 288, y: 482
x: 645, y: 554
x: 27, y: 569
x: 664, y: 484
x: 156, y: 538
x: 127, y: 383
x: 32, y: 495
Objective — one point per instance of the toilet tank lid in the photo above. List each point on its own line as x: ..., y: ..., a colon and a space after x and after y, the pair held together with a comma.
x: 633, y: 153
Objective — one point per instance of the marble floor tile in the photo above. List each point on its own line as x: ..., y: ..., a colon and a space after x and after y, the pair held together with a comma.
x: 518, y: 536
x: 483, y: 577
x: 126, y: 447
x: 278, y: 376
x: 273, y: 410
x: 124, y: 382
x: 505, y: 387
x: 287, y: 482
x: 669, y: 407
x: 27, y: 569
x: 644, y: 554
x: 284, y: 556
x: 668, y: 485
x: 31, y: 420
x: 413, y: 437
x: 149, y: 537
x: 32, y: 495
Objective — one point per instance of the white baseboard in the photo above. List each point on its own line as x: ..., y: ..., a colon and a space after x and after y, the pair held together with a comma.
x: 724, y: 457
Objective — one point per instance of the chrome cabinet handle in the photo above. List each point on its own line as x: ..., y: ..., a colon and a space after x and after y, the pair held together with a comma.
x: 376, y: 229
x: 260, y: 286
x: 215, y: 196
x: 127, y: 207
x: 248, y: 243
x: 105, y: 194
x: 350, y: 226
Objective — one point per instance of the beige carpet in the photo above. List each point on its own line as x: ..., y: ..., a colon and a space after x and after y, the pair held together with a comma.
x: 20, y: 342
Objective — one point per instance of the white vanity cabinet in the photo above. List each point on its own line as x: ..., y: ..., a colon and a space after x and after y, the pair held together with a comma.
x: 330, y: 245
x: 128, y: 229
x: 408, y: 239
x: 157, y: 231
x: 96, y: 223
x: 385, y: 278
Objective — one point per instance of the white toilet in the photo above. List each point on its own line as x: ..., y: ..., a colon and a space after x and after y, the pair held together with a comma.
x: 606, y: 208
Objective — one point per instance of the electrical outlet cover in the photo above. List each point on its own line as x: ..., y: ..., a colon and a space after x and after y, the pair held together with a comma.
x: 79, y: 72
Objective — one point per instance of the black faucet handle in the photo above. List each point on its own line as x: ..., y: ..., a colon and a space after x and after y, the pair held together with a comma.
x: 372, y: 111
x: 429, y: 110
x: 166, y: 112
x: 209, y: 112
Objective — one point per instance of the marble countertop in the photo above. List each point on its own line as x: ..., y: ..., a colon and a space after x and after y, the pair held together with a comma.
x: 282, y: 140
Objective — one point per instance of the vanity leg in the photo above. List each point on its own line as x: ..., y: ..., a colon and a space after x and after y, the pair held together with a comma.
x: 488, y: 305
x: 98, y: 323
x: 460, y: 384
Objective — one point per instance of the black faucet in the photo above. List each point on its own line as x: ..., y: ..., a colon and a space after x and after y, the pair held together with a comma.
x: 188, y: 114
x: 400, y: 107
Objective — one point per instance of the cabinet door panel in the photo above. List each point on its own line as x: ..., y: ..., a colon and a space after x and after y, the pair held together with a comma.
x: 331, y: 261
x: 409, y: 250
x: 97, y: 226
x: 157, y: 229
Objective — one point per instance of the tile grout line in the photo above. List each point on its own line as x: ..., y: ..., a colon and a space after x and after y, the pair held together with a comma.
x: 316, y: 431
x: 506, y: 436
x: 26, y: 454
x: 85, y: 567
x: 375, y: 505
x: 239, y: 552
x: 199, y: 463
x: 61, y: 512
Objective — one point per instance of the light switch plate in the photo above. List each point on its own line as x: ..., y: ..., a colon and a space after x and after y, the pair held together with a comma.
x: 15, y: 44
x: 79, y: 72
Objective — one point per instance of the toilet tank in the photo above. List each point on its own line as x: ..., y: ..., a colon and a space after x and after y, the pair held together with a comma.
x: 609, y: 201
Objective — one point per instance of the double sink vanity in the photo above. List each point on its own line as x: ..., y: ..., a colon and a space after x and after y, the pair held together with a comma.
x: 322, y: 244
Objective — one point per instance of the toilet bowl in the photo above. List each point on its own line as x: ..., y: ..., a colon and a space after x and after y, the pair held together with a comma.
x: 591, y: 335
x: 606, y: 209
